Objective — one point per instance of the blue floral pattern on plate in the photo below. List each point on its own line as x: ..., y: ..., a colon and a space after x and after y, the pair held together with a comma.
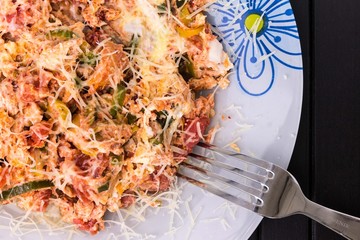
x: 261, y: 37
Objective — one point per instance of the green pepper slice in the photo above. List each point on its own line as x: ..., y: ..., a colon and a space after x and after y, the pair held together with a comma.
x: 24, y: 188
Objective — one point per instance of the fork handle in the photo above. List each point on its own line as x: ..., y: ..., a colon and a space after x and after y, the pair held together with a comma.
x: 346, y: 225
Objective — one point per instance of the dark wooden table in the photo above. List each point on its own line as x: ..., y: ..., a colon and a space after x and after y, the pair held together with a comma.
x: 326, y: 159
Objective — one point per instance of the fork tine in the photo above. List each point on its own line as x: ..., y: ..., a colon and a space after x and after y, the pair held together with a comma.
x: 215, y: 190
x: 219, y: 193
x: 255, y: 178
x: 229, y: 182
x: 267, y: 166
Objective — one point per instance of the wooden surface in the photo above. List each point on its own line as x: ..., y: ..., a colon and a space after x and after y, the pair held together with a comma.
x: 326, y: 159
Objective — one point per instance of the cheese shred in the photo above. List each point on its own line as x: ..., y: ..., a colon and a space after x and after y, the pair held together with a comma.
x: 97, y: 101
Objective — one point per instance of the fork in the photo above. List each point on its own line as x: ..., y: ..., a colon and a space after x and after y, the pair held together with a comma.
x: 259, y: 186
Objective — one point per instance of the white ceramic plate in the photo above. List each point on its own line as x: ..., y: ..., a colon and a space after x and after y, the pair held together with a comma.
x: 260, y: 112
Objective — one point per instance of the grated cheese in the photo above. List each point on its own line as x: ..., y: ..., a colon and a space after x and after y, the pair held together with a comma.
x: 95, y: 101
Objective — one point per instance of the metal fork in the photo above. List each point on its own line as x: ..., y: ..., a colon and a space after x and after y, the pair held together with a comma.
x: 259, y: 186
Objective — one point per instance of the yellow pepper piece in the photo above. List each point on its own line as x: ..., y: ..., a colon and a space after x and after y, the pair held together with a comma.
x: 134, y: 129
x: 89, y: 151
x: 189, y: 32
x: 184, y: 13
x: 63, y: 111
x: 76, y: 120
x: 80, y: 144
x: 120, y: 189
x: 39, y: 166
x: 79, y: 120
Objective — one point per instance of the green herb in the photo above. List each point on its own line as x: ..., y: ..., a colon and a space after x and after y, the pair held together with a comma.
x: 131, y: 118
x: 90, y: 114
x: 89, y: 59
x: 186, y: 68
x: 85, y: 46
x: 61, y: 34
x: 180, y: 3
x: 162, y: 7
x: 133, y: 44
x: 24, y: 188
x: 119, y: 98
x: 157, y: 140
x: 120, y: 95
x: 44, y: 148
x: 134, y: 40
x: 78, y: 81
x: 116, y: 159
x: 114, y: 111
x: 104, y: 187
x: 162, y: 118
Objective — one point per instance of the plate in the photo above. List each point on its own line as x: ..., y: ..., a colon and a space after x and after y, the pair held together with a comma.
x: 258, y: 114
